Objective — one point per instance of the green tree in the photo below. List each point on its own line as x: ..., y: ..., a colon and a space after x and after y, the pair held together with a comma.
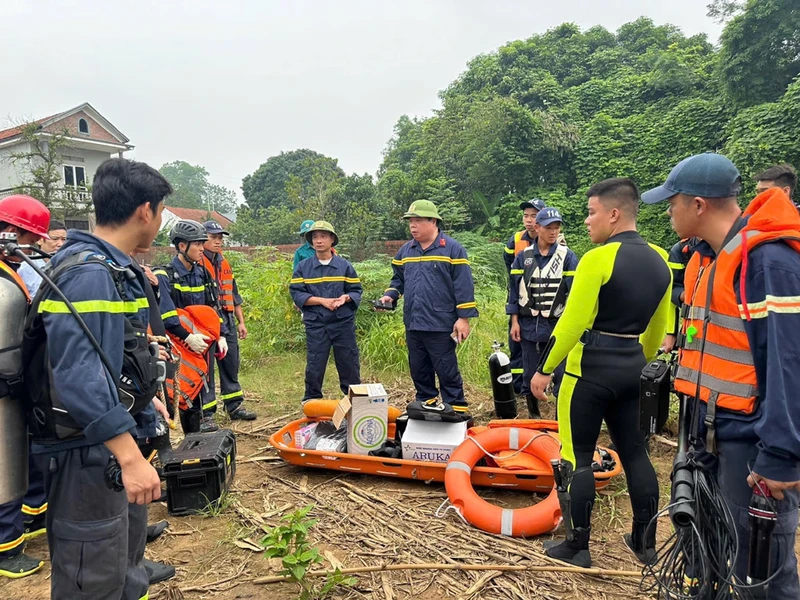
x: 317, y: 192
x: 760, y: 51
x: 191, y: 188
x: 267, y: 186
x: 265, y: 226
x: 764, y: 135
x: 724, y: 10
x: 40, y: 164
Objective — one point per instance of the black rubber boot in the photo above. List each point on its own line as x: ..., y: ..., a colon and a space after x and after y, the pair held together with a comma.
x: 208, y: 424
x: 642, y: 542
x: 190, y: 421
x: 573, y: 550
x: 533, y: 406
x: 155, y: 531
x: 158, y: 572
x: 242, y: 414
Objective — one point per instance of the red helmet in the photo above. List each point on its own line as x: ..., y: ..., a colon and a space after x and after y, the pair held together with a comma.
x: 26, y: 213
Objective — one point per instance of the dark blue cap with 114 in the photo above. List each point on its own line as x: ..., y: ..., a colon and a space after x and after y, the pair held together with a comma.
x: 214, y: 227
x: 708, y: 175
x: 533, y: 203
x: 548, y: 215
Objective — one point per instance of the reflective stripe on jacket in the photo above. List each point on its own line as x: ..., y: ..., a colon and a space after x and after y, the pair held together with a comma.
x: 716, y: 348
x: 436, y: 283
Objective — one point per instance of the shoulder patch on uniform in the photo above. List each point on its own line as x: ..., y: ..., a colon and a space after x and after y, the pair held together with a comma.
x: 528, y: 261
x: 442, y: 242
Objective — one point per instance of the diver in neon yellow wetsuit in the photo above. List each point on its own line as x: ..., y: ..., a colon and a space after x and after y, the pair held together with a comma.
x: 614, y: 321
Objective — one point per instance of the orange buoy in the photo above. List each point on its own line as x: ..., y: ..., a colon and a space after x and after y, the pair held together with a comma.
x: 325, y: 408
x: 534, y: 520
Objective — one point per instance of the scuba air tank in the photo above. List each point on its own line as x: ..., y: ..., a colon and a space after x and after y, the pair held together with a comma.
x: 505, y: 401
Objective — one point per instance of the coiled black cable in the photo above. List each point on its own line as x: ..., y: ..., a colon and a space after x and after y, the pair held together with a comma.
x: 698, y: 559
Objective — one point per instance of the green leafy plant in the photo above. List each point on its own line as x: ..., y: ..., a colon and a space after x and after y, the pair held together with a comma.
x: 289, y: 542
x: 489, y: 208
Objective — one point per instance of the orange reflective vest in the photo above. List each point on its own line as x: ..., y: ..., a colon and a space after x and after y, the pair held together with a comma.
x: 716, y: 352
x: 192, y: 373
x: 14, y: 276
x: 519, y: 243
x: 225, y: 281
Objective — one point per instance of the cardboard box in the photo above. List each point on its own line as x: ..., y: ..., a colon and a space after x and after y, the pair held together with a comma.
x: 432, y: 441
x: 366, y: 407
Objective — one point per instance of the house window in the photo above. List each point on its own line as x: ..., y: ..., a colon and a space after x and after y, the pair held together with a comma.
x: 83, y: 126
x: 74, y: 176
x: 81, y: 223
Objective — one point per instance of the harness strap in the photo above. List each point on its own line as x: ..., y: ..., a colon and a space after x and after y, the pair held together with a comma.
x: 711, y: 415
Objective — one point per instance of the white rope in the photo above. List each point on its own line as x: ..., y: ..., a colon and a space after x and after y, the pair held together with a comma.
x: 439, y: 514
x: 497, y: 457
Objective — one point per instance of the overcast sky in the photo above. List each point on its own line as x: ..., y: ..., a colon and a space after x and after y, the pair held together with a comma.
x: 226, y: 85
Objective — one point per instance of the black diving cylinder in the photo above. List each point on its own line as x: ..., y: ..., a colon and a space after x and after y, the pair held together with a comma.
x: 505, y: 401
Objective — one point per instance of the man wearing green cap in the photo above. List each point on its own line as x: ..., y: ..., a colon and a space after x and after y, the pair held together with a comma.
x: 433, y: 273
x: 326, y: 288
x: 305, y: 250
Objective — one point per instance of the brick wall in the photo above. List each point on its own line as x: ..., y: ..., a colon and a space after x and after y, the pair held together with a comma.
x: 96, y: 132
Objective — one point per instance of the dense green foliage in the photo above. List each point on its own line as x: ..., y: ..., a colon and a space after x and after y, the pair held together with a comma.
x: 275, y: 326
x: 552, y: 114
x: 191, y: 188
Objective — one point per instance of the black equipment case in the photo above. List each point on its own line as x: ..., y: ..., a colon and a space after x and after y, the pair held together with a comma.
x: 654, y: 389
x: 200, y: 471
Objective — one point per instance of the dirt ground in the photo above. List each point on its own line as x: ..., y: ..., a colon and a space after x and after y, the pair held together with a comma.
x: 365, y: 521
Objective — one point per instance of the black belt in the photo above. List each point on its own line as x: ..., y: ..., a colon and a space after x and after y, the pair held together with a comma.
x: 591, y: 337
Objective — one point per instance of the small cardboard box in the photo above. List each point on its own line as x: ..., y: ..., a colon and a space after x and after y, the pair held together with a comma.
x: 432, y: 441
x: 366, y: 407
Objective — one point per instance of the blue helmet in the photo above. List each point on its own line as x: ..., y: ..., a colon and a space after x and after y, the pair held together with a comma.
x: 305, y: 226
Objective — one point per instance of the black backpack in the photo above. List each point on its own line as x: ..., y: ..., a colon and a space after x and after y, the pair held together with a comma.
x: 47, y: 417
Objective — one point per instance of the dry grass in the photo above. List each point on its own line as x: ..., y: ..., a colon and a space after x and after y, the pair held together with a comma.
x: 363, y: 521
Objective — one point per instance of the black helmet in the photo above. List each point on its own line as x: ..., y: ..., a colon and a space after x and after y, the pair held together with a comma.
x: 186, y: 230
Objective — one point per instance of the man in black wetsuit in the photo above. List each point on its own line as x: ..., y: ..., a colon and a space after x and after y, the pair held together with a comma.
x: 614, y: 321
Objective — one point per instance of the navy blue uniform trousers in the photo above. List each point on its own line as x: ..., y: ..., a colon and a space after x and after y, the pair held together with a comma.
x: 517, y: 365
x: 320, y: 338
x: 730, y: 467
x: 95, y: 535
x: 230, y: 391
x: 432, y: 354
x: 14, y: 515
x: 531, y: 353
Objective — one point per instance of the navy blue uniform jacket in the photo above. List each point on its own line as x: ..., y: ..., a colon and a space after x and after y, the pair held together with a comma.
x: 188, y: 290
x: 436, y: 282
x: 87, y: 390
x: 312, y: 278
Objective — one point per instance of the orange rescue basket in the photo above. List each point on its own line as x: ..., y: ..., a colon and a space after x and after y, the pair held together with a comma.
x: 537, y: 477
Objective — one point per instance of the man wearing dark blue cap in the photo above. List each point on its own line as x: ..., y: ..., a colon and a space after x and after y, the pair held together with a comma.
x: 541, y: 277
x: 230, y: 304
x: 738, y: 361
x: 516, y: 244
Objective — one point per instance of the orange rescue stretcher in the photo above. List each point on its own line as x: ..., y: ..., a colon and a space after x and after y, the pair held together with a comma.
x: 536, y: 475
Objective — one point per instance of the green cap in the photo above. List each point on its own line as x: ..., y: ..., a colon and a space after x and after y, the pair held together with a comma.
x: 322, y: 226
x: 424, y: 209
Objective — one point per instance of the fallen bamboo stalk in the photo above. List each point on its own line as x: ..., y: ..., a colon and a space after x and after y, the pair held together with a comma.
x: 457, y: 567
x: 667, y: 442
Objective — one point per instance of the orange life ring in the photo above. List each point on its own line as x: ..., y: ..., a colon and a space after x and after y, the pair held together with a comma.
x: 534, y: 520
